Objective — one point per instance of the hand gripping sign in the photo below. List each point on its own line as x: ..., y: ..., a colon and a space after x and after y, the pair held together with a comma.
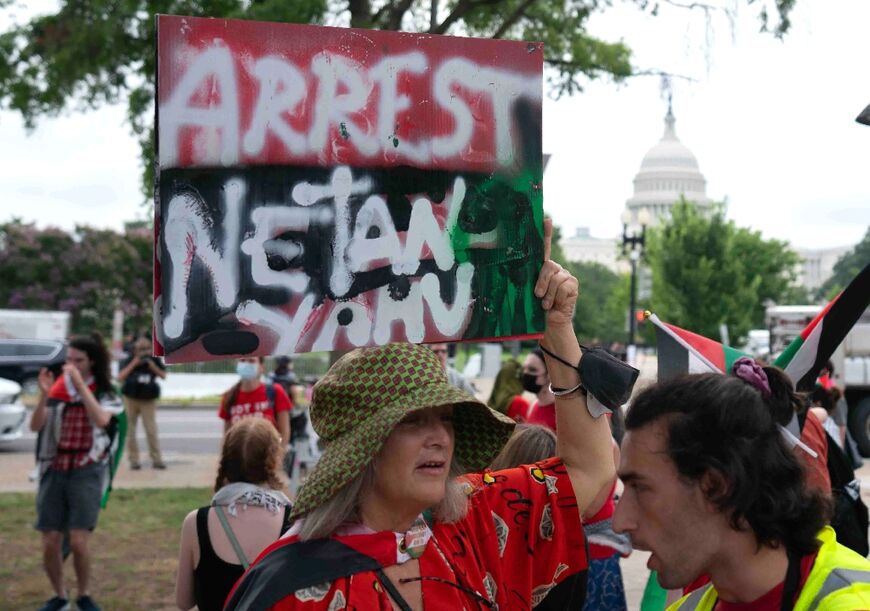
x: 327, y: 188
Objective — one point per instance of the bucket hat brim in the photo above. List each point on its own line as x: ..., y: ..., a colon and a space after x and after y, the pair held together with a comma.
x: 479, y: 435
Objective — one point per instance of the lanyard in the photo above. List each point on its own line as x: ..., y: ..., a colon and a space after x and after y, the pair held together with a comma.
x: 403, y: 604
x: 792, y: 581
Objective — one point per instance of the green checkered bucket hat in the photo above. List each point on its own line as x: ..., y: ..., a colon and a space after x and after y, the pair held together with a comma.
x: 363, y: 397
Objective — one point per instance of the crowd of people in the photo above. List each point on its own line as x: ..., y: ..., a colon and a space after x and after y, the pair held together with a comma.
x: 424, y: 497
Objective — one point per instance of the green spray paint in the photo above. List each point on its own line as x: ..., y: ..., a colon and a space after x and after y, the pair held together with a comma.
x: 505, y: 277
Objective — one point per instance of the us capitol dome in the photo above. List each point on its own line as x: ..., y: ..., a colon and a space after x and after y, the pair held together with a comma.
x: 668, y: 171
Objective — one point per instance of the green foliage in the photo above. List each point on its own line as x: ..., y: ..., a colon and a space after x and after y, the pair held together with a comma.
x: 92, y: 52
x: 707, y: 271
x: 87, y: 273
x: 603, y: 303
x: 846, y: 268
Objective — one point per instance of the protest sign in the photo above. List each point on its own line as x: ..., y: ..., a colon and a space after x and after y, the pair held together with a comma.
x: 325, y: 188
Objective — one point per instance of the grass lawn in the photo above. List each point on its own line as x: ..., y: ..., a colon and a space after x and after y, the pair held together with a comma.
x: 135, y: 550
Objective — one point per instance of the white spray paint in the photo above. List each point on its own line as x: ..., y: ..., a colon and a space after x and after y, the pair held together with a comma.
x: 269, y: 222
x: 504, y: 89
x: 176, y: 113
x: 386, y: 74
x: 358, y: 331
x: 287, y: 329
x: 410, y: 313
x: 282, y: 88
x: 332, y: 108
x: 341, y: 187
x: 187, y: 238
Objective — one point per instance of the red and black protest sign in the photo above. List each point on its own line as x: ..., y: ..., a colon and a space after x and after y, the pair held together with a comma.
x: 325, y: 188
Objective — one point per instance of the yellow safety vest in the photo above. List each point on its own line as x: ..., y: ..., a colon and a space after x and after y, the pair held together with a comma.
x: 838, y: 581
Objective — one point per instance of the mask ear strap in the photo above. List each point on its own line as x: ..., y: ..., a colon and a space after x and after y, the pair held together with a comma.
x: 561, y: 360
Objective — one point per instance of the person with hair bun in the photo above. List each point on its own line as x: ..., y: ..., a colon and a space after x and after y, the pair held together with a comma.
x: 76, y: 418
x: 801, y: 427
x: 246, y: 514
x: 713, y: 486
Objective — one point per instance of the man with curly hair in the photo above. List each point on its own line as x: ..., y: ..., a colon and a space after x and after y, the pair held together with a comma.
x: 713, y: 487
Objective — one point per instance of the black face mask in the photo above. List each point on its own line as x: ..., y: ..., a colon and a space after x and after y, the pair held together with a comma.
x: 530, y: 383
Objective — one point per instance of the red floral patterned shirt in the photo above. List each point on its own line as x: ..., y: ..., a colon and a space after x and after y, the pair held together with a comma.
x: 521, y: 537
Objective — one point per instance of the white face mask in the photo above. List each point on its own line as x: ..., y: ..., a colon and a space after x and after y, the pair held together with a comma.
x: 247, y: 371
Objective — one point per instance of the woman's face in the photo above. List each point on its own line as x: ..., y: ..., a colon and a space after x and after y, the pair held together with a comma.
x: 249, y: 368
x: 534, y: 366
x: 80, y: 360
x: 412, y: 468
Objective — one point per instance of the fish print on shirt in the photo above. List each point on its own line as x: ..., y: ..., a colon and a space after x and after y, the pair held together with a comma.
x: 502, y: 531
x: 491, y: 590
x: 546, y: 527
x: 540, y: 593
x: 316, y: 592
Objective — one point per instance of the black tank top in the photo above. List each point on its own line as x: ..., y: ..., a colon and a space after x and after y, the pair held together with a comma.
x: 213, y: 578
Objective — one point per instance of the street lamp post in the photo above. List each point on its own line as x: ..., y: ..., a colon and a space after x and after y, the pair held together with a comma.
x: 632, y: 245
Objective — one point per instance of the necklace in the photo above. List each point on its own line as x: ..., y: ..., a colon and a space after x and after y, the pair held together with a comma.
x: 479, y: 598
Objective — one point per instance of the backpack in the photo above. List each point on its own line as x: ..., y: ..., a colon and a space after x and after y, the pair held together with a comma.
x: 849, y: 518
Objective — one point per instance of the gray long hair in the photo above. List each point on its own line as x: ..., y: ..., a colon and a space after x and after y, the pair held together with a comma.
x: 344, y: 506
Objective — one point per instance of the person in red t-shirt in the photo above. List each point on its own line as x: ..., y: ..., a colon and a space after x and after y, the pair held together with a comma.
x: 249, y: 397
x: 536, y: 381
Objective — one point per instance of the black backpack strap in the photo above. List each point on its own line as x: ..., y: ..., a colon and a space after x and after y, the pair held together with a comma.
x: 839, y: 468
x: 270, y: 397
x: 286, y: 523
x: 295, y: 566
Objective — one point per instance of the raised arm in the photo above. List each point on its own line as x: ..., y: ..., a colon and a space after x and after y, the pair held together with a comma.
x: 156, y: 369
x: 37, y: 419
x: 127, y: 369
x: 583, y: 442
x: 99, y: 416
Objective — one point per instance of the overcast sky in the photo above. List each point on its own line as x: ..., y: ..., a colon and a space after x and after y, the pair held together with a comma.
x: 771, y: 123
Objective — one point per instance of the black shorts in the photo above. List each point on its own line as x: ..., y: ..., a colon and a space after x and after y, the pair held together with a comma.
x: 70, y: 499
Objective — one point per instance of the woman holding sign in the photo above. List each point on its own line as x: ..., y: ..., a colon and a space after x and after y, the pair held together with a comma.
x: 386, y: 521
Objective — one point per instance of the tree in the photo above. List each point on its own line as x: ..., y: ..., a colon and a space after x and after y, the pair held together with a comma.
x: 93, y: 52
x: 846, y: 268
x: 707, y: 271
x: 87, y: 273
x: 603, y: 303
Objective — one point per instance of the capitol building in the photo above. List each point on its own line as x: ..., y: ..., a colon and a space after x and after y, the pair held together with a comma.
x: 668, y: 171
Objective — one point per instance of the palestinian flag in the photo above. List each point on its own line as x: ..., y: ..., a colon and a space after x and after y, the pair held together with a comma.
x: 681, y: 352
x: 809, y: 352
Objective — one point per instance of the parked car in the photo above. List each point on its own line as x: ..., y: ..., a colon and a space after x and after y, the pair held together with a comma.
x: 12, y: 411
x: 21, y: 360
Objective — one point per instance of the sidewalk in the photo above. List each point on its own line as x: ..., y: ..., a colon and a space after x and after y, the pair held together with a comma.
x: 184, y: 470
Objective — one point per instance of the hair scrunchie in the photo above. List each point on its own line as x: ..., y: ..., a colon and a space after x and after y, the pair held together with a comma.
x: 751, y: 372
